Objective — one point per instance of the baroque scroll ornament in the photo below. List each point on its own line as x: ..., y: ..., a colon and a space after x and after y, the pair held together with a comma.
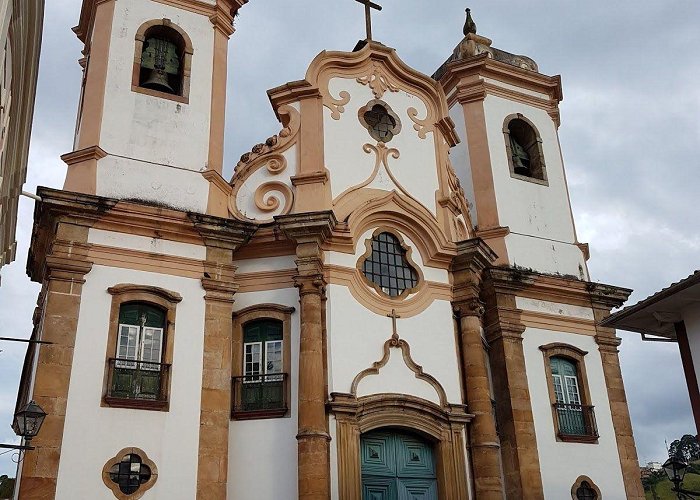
x: 378, y: 82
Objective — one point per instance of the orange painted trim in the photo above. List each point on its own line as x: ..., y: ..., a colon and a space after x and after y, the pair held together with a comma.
x: 217, y: 117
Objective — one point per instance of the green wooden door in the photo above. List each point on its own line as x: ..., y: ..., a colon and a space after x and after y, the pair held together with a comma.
x: 397, y: 466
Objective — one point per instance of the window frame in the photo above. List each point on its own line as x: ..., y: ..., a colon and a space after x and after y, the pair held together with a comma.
x: 409, y: 259
x: 187, y: 52
x: 143, y: 488
x: 244, y: 316
x: 577, y: 485
x: 541, y: 177
x: 165, y: 300
x: 576, y: 356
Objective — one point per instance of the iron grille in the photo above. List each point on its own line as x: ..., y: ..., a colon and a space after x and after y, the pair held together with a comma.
x: 576, y: 420
x: 259, y: 395
x: 387, y: 266
x: 137, y: 380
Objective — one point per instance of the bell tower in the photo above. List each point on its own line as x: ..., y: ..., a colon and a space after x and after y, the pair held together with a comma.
x: 150, y: 121
x: 509, y: 161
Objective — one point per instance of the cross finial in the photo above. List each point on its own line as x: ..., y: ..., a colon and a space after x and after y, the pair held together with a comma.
x: 368, y: 15
x: 394, y: 317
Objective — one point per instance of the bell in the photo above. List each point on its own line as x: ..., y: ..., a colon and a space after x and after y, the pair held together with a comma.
x: 521, y: 160
x: 158, y: 80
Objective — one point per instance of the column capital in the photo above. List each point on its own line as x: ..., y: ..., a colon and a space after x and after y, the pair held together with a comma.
x: 469, y: 307
x: 219, y: 232
x: 608, y: 343
x: 309, y: 227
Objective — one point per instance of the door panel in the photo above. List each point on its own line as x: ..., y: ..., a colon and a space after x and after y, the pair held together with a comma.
x: 417, y: 489
x: 378, y: 455
x: 414, y: 458
x: 379, y: 488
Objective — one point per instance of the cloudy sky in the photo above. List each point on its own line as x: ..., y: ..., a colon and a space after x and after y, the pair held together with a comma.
x: 630, y: 136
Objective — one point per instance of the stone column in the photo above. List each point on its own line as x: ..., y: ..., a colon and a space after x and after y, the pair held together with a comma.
x: 222, y: 237
x: 467, y: 268
x: 309, y: 231
x: 504, y: 330
x: 63, y: 277
x: 608, y: 344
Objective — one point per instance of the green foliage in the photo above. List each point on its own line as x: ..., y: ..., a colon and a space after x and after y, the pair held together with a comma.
x: 686, y: 448
x: 7, y: 486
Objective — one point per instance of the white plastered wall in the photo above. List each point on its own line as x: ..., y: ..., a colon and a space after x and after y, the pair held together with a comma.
x: 256, y: 446
x: 349, y: 165
x: 356, y: 337
x: 171, y: 439
x: 562, y: 463
x: 156, y: 146
x: 539, y: 217
x: 459, y: 156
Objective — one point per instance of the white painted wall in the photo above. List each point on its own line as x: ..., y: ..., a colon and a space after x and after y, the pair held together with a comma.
x: 461, y: 162
x: 349, y: 165
x: 356, y: 337
x: 545, y: 306
x: 157, y: 133
x: 539, y: 217
x: 259, y: 445
x: 562, y: 463
x: 145, y: 244
x: 171, y: 439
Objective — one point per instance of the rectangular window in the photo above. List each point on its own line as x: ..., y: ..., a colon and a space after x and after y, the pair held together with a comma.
x: 572, y: 392
x: 252, y: 360
x: 558, y: 389
x: 151, y: 346
x: 273, y: 359
x: 127, y: 345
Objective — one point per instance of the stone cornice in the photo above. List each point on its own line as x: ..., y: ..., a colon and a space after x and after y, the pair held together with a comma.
x: 307, y: 227
x: 483, y: 66
x: 222, y: 233
x: 81, y: 155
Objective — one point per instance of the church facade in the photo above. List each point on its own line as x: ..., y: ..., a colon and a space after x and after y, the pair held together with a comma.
x: 387, y: 300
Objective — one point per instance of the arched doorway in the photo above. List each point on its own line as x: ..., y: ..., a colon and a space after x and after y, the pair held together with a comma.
x: 397, y: 466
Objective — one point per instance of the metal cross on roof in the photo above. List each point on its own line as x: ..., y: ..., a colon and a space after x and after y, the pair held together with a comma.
x: 368, y: 15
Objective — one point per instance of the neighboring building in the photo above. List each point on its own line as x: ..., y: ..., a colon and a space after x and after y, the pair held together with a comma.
x: 20, y: 40
x: 670, y: 315
x: 388, y: 299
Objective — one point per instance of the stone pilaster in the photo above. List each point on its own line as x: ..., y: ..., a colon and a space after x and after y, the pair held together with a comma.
x: 222, y: 237
x: 63, y: 275
x: 309, y: 231
x: 521, y: 466
x: 603, y: 300
x: 467, y: 268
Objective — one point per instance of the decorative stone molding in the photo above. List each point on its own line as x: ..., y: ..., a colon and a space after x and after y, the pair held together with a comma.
x: 143, y: 488
x: 579, y: 482
x: 396, y: 343
x: 444, y: 426
x: 164, y: 299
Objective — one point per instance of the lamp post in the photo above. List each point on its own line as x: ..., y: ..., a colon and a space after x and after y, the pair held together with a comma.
x: 675, y: 469
x: 26, y: 424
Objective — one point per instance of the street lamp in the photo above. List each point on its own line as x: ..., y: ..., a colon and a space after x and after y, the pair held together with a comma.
x: 26, y: 424
x: 675, y: 469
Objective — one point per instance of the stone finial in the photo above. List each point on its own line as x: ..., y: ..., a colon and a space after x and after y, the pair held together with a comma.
x: 469, y: 25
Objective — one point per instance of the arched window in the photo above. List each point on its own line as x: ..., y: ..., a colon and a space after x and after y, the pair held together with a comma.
x: 573, y: 414
x: 139, y: 349
x: 163, y: 60
x: 524, y: 149
x: 261, y: 361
